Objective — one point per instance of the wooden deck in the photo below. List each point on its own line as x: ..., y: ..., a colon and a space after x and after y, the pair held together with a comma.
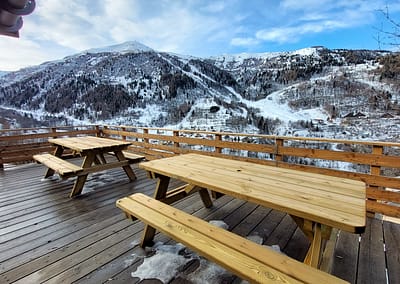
x: 47, y: 237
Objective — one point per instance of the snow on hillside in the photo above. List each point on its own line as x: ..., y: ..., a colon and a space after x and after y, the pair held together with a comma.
x: 274, y: 106
x: 238, y: 59
x: 130, y: 46
x: 273, y: 93
x: 309, y: 51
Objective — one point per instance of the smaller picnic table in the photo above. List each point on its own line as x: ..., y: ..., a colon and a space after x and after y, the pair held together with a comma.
x: 92, y: 149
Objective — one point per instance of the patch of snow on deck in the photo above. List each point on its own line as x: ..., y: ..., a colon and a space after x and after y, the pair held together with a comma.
x: 255, y: 239
x: 54, y: 177
x: 208, y: 272
x: 97, y: 180
x: 220, y: 224
x: 163, y: 265
x: 168, y: 260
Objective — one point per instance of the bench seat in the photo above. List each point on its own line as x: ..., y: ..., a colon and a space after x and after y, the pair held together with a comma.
x: 132, y: 157
x: 63, y: 168
x: 246, y: 259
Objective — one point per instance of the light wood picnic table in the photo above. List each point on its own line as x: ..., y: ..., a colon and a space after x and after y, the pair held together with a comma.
x: 92, y: 149
x: 316, y: 202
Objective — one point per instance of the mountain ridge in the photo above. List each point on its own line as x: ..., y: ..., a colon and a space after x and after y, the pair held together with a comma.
x: 298, y: 92
x: 128, y: 46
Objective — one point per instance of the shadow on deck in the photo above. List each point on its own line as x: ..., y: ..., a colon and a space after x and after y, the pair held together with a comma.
x: 47, y: 237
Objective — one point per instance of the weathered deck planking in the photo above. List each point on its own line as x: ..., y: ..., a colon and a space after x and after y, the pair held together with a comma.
x: 391, y: 233
x: 372, y: 252
x: 47, y: 237
x: 346, y: 257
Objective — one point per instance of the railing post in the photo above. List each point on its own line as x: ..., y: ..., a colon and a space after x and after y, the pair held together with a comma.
x: 376, y: 150
x: 145, y: 139
x: 376, y: 171
x: 98, y: 131
x: 218, y: 138
x: 54, y: 130
x: 105, y: 127
x: 123, y: 136
x: 176, y: 134
x: 278, y: 155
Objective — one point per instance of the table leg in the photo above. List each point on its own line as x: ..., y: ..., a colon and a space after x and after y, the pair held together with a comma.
x: 305, y: 226
x: 128, y: 170
x: 204, y: 194
x: 317, y: 234
x: 58, y: 153
x: 96, y: 160
x: 314, y: 252
x: 102, y: 158
x: 159, y: 194
x: 205, y: 197
x: 99, y: 159
x: 80, y: 180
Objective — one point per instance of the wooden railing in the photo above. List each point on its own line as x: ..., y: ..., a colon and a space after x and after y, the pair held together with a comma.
x: 375, y: 163
x: 19, y: 145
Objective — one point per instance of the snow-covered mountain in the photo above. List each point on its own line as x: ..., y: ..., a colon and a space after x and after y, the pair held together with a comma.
x: 313, y: 91
x: 126, y: 47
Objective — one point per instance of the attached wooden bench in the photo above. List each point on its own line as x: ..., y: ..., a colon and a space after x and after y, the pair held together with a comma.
x: 66, y: 169
x: 63, y: 168
x: 132, y: 157
x: 243, y: 257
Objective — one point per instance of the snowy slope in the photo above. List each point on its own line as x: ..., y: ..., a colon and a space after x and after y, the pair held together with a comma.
x: 274, y: 107
x: 130, y: 46
x: 310, y: 91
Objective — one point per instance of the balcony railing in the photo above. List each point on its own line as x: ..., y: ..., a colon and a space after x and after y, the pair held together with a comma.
x: 373, y: 162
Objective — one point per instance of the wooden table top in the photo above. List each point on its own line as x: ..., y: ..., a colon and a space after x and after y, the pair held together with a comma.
x: 333, y: 201
x: 87, y: 143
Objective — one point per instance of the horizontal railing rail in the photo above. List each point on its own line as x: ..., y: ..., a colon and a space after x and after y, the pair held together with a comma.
x: 19, y: 145
x: 376, y: 163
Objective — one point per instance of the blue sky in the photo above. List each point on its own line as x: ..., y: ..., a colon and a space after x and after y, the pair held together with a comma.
x: 196, y: 27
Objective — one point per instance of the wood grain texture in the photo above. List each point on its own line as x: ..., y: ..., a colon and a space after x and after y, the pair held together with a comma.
x: 40, y: 226
x: 243, y: 257
x: 373, y: 268
x: 64, y: 168
x: 89, y: 143
x: 336, y: 202
x: 391, y: 232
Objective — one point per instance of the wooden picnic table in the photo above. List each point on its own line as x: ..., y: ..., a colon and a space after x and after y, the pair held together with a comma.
x: 316, y: 202
x: 92, y: 149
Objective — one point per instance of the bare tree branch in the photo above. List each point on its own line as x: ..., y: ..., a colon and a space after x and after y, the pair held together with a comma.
x: 390, y: 36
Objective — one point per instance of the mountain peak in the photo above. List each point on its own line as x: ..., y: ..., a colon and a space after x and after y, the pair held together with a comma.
x: 129, y: 46
x: 308, y: 51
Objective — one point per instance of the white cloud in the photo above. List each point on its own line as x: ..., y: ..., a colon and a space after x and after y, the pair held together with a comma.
x: 318, y: 6
x: 18, y: 53
x: 317, y: 16
x: 67, y: 23
x: 280, y: 35
x: 196, y: 27
x: 81, y: 25
x: 244, y: 41
x: 293, y: 34
x: 215, y: 7
x: 304, y: 4
x: 296, y: 19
